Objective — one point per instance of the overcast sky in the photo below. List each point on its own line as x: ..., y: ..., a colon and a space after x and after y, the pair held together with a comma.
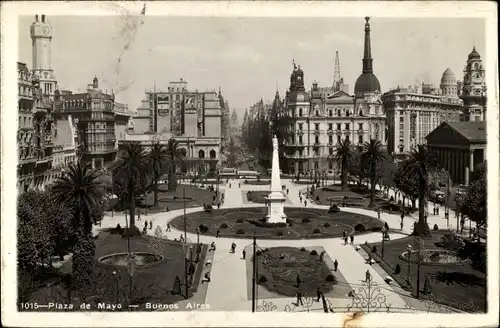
x: 247, y: 57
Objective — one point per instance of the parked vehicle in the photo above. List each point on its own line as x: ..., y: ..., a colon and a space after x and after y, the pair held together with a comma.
x: 437, y: 196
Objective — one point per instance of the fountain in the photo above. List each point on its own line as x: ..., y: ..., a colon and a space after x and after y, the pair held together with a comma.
x: 276, y: 199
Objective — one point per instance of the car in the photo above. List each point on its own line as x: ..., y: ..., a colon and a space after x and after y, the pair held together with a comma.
x: 437, y: 196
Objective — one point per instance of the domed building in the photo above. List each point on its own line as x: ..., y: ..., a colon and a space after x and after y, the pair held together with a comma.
x: 449, y: 86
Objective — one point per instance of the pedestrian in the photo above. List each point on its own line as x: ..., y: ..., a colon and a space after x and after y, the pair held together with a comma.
x: 345, y: 240
x: 145, y: 230
x: 378, y: 213
x: 138, y: 216
x: 229, y: 185
x: 218, y: 234
x: 299, y: 297
x: 318, y: 293
x: 335, y: 265
x: 168, y: 227
x: 233, y: 247
x: 218, y: 205
x: 182, y: 238
x: 352, y: 239
x: 401, y: 225
x: 437, y: 210
x: 146, y: 224
x: 244, y: 253
x: 305, y: 202
x: 150, y: 224
x: 298, y: 281
x: 368, y: 276
x: 386, y: 226
x: 300, y: 197
x: 287, y: 191
x: 402, y: 215
x: 321, y: 255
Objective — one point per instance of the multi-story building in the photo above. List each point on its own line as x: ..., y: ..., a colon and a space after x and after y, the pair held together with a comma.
x: 320, y: 120
x: 198, y: 128
x: 122, y: 121
x: 45, y: 136
x: 94, y: 115
x: 473, y: 88
x: 413, y: 112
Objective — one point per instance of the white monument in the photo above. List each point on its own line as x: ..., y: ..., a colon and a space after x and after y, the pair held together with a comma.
x: 276, y: 199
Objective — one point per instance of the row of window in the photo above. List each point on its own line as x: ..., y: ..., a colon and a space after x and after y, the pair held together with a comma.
x: 347, y: 126
x: 330, y: 139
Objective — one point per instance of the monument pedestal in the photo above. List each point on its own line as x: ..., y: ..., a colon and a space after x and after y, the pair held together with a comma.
x: 275, y: 210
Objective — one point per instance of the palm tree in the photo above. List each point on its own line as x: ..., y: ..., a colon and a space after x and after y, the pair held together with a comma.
x: 131, y: 167
x: 158, y: 160
x: 419, y: 166
x: 175, y: 155
x: 373, y: 153
x: 81, y: 189
x: 343, y: 155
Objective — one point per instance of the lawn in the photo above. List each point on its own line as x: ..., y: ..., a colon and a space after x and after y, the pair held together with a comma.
x: 455, y: 284
x: 195, y: 197
x: 302, y: 223
x: 257, y: 196
x: 257, y: 182
x: 278, y: 268
x: 152, y: 283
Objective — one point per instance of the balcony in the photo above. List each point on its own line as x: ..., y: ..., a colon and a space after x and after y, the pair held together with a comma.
x: 360, y: 131
x: 330, y: 132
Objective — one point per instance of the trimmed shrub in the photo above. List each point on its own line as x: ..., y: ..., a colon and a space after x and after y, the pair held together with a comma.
x: 245, y: 182
x: 306, y: 220
x: 313, y: 252
x: 435, y: 227
x: 360, y: 227
x: 239, y: 221
x: 203, y: 228
x: 262, y: 279
x: 266, y: 250
x: 333, y: 209
x: 316, y: 231
x: 223, y: 226
x: 372, y: 225
x: 427, y: 286
x: 397, y: 270
x: 302, y: 249
x: 374, y: 249
x: 317, y: 198
x: 240, y: 232
x: 258, y: 253
x: 279, y: 233
x: 326, y: 225
x: 330, y: 278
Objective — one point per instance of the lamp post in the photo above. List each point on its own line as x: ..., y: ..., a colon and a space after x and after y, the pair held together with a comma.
x: 419, y: 243
x: 408, y: 248
x: 197, y: 237
x: 186, y: 271
x: 184, y: 201
x: 383, y: 240
x: 115, y: 277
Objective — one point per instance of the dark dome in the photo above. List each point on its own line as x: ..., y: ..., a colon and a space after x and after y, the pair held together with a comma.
x: 298, y: 96
x: 474, y: 54
x: 366, y: 82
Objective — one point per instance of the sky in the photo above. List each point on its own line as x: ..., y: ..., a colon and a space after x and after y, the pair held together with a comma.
x: 248, y: 57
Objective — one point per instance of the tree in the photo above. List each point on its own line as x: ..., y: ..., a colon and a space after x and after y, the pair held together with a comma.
x: 233, y: 152
x: 475, y: 203
x: 83, y: 263
x: 131, y: 169
x: 420, y: 165
x: 343, y: 154
x: 408, y: 186
x: 80, y: 190
x: 158, y: 162
x: 176, y: 156
x: 373, y: 154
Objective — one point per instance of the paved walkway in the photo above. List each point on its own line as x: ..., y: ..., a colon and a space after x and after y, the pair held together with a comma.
x: 227, y: 290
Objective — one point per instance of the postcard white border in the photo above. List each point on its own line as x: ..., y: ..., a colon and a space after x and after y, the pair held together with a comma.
x: 9, y: 19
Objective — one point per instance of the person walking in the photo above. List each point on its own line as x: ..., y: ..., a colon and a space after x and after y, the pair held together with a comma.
x: 401, y: 225
x: 300, y: 198
x: 287, y: 191
x: 305, y: 202
x: 318, y: 293
x: 344, y: 234
x: 335, y: 265
x: 150, y: 224
x: 244, y: 253
x: 145, y: 224
x: 378, y: 213
x: 298, y: 281
x: 181, y: 238
x: 168, y: 227
x: 299, y: 297
x: 352, y: 239
x: 218, y: 205
x: 217, y: 234
x: 368, y: 276
x: 386, y: 226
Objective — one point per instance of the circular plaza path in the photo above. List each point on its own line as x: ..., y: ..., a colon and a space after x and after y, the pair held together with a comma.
x: 228, y: 290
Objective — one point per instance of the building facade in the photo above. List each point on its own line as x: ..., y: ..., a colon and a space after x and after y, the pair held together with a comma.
x: 320, y: 119
x: 94, y: 115
x: 473, y: 88
x: 193, y: 118
x: 460, y: 147
x: 413, y: 112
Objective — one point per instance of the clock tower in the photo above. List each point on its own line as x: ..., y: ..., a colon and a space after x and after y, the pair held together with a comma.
x: 474, y: 88
x: 41, y: 36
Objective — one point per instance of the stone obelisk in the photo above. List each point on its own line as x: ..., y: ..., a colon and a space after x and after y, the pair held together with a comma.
x: 276, y: 199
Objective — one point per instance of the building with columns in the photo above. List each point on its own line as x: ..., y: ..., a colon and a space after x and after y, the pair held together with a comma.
x: 459, y: 147
x: 473, y: 88
x: 320, y: 119
x: 413, y: 112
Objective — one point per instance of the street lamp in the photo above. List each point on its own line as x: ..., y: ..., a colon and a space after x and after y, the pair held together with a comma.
x: 185, y: 225
x: 408, y: 248
x: 383, y: 240
x: 197, y: 237
x: 115, y: 277
x: 419, y: 242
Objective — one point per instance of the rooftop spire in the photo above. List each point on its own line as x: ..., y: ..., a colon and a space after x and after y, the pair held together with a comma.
x: 367, y: 58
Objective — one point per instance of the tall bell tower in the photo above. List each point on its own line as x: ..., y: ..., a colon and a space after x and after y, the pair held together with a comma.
x: 41, y: 36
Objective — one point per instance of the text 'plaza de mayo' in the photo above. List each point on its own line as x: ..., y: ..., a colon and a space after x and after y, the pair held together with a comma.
x: 450, y: 119
x: 57, y: 126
